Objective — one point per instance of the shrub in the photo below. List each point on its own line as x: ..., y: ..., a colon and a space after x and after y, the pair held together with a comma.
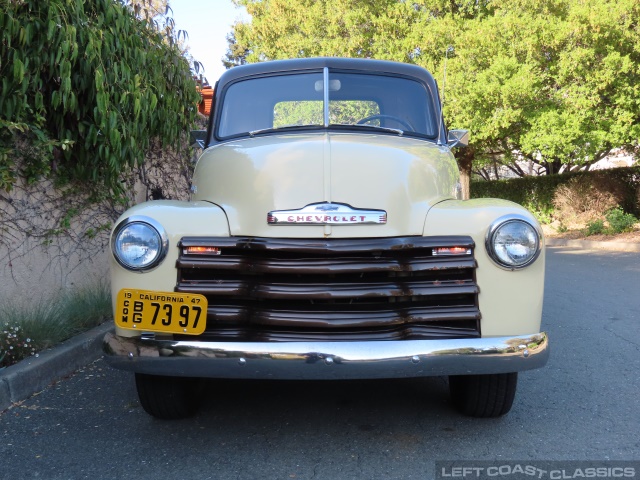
x: 28, y: 329
x: 538, y: 194
x: 619, y: 221
x: 14, y: 345
x: 533, y: 193
x: 585, y: 199
x: 595, y: 227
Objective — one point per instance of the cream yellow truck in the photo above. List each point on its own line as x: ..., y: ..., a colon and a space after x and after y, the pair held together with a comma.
x: 325, y: 239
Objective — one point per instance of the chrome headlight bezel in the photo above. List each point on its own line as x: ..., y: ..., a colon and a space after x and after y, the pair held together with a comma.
x: 495, y: 228
x: 155, y: 229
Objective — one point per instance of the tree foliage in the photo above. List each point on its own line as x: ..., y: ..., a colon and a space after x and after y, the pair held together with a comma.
x: 148, y: 8
x: 86, y: 85
x: 556, y: 82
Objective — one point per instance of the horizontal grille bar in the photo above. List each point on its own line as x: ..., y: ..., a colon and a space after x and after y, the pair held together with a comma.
x: 327, y: 246
x: 325, y: 266
x: 278, y: 289
x: 337, y: 318
x: 313, y: 291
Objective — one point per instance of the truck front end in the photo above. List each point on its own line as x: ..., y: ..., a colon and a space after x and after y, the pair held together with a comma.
x: 324, y: 240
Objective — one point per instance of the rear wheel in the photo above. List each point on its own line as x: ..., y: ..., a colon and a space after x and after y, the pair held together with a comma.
x: 483, y: 396
x: 168, y: 398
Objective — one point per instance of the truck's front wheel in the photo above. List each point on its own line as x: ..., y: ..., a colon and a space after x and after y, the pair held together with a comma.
x: 168, y: 398
x: 483, y: 395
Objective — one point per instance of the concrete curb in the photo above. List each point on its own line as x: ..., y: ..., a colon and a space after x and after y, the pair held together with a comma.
x: 33, y: 375
x: 591, y: 245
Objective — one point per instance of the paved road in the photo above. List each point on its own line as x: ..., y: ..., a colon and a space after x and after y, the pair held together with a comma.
x: 584, y: 405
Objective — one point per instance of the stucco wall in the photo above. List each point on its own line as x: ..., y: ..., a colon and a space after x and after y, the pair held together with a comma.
x: 50, y: 240
x: 32, y: 271
x: 54, y: 239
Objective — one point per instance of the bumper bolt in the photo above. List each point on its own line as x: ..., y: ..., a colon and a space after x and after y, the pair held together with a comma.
x: 242, y: 362
x: 328, y: 361
x: 415, y: 359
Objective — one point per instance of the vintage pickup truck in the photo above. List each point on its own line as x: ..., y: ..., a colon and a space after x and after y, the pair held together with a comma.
x: 325, y: 239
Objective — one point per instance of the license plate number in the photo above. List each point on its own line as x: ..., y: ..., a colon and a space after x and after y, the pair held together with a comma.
x: 167, y: 312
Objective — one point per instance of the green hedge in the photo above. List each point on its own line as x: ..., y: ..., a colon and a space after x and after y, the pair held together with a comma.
x: 536, y: 193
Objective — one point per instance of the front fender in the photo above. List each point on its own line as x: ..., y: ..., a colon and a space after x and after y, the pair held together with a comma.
x: 510, y: 301
x: 179, y: 219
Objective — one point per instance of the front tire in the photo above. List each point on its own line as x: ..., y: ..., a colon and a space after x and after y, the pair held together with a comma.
x: 168, y: 398
x: 483, y: 396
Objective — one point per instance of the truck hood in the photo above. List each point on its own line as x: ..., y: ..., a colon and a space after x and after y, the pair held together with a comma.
x: 251, y: 177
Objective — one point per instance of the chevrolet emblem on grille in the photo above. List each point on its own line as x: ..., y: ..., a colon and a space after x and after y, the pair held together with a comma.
x: 327, y: 213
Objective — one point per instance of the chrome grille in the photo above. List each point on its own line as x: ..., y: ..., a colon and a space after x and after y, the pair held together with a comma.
x: 265, y: 289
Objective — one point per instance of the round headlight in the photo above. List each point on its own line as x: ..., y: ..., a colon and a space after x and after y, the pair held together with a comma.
x: 139, y: 243
x: 513, y: 242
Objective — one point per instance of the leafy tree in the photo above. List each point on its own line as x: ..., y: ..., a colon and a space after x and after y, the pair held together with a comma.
x: 85, y: 86
x: 591, y: 103
x: 148, y: 8
x: 236, y: 54
x: 306, y: 28
x: 552, y: 81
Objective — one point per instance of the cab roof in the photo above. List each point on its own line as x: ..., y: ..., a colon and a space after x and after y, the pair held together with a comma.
x: 301, y: 64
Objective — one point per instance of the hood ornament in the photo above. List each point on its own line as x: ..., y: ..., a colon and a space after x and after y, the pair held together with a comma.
x: 327, y: 207
x: 327, y: 213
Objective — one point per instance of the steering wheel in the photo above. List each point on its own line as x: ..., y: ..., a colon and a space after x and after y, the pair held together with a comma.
x: 400, y: 121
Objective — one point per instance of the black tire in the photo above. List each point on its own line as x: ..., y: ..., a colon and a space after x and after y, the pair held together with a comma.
x: 484, y: 396
x: 168, y: 398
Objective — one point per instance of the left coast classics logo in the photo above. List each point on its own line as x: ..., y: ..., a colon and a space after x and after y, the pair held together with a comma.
x: 327, y: 213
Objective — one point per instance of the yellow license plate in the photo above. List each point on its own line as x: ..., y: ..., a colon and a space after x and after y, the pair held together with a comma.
x: 166, y: 312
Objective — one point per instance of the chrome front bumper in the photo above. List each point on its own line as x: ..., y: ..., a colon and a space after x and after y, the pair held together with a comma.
x: 327, y: 360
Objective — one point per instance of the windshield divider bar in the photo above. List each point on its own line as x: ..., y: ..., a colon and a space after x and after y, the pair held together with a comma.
x: 325, y: 82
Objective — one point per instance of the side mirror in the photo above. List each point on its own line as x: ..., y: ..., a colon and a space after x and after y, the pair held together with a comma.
x: 458, y: 138
x: 198, y: 138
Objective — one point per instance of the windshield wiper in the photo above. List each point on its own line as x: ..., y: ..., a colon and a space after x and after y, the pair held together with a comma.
x: 278, y: 129
x: 369, y: 127
x: 397, y: 131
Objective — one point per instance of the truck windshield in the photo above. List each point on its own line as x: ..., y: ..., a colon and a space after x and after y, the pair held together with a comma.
x: 356, y: 101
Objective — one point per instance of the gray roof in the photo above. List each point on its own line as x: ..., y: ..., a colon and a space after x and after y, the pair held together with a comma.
x: 361, y: 64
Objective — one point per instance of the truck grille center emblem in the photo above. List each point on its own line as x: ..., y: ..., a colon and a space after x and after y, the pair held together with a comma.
x: 327, y: 213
